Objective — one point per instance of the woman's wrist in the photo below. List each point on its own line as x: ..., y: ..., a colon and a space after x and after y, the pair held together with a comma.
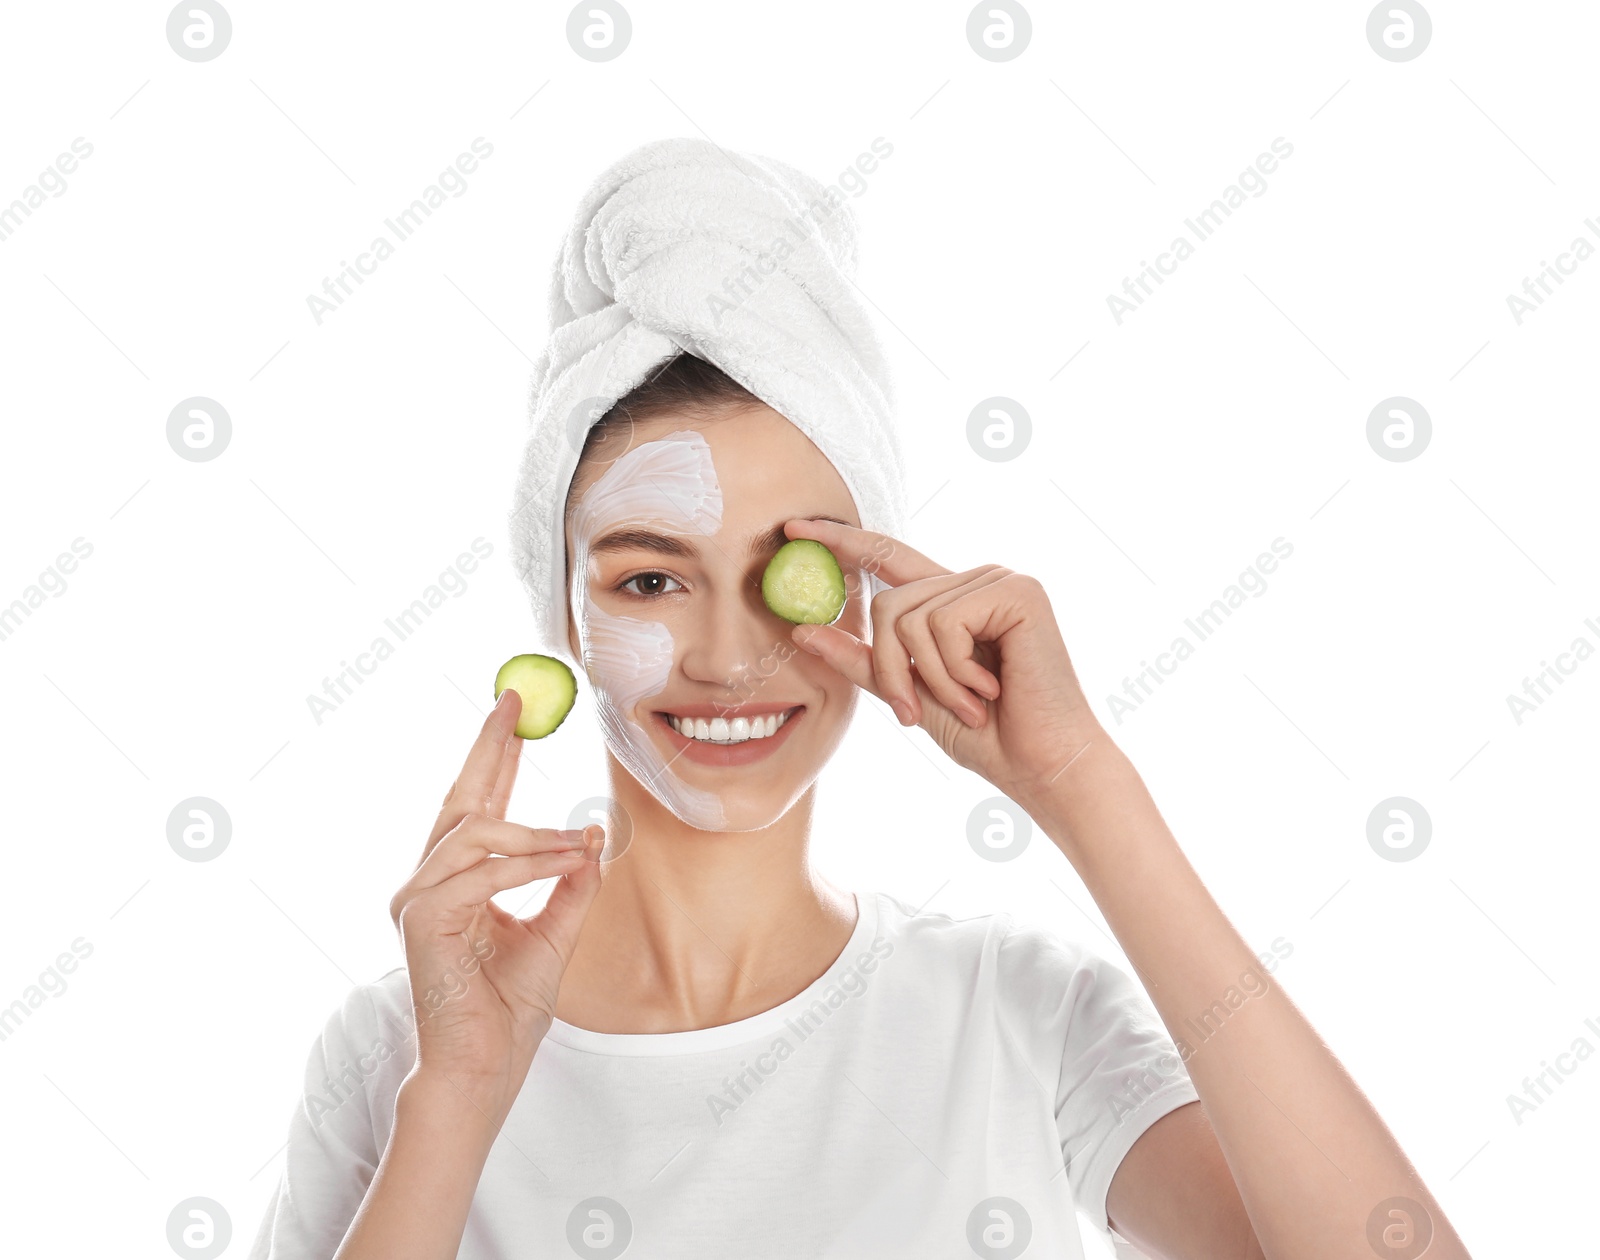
x: 435, y: 1101
x: 1089, y: 764
x: 416, y: 1207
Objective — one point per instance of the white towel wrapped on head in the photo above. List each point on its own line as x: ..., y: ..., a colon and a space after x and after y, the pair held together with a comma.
x: 738, y: 259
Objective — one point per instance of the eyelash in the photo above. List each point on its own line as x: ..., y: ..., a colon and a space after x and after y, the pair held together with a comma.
x: 620, y: 586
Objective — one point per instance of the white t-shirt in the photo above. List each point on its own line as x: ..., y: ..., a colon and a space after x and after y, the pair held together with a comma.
x: 948, y: 1087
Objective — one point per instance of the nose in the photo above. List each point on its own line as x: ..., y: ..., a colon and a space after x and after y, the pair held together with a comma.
x: 733, y: 640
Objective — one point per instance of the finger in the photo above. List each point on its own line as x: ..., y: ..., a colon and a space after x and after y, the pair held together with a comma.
x: 958, y: 699
x: 474, y: 790
x: 888, y: 558
x: 592, y: 840
x: 560, y: 920
x: 475, y: 838
x: 891, y: 657
x: 500, y: 797
x: 947, y: 623
x: 448, y: 909
x: 853, y: 658
x: 844, y: 652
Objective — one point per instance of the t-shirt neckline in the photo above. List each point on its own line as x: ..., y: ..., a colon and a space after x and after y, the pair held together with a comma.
x: 740, y: 1031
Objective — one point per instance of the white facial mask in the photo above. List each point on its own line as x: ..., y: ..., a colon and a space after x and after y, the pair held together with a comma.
x: 672, y: 484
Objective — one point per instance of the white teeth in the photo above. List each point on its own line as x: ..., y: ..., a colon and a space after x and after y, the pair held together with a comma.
x: 722, y: 731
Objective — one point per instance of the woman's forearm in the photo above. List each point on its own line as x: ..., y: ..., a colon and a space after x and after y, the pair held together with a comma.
x: 416, y: 1207
x: 1311, y: 1157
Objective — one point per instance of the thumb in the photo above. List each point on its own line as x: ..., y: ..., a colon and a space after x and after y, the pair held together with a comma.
x: 560, y: 919
x: 842, y: 650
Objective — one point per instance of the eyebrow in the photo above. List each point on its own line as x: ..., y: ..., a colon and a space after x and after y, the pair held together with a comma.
x: 635, y: 539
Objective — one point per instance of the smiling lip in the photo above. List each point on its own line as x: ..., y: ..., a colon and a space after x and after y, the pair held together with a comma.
x: 702, y: 709
x: 741, y: 754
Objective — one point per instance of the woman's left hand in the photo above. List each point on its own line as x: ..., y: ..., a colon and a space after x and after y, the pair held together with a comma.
x: 976, y: 659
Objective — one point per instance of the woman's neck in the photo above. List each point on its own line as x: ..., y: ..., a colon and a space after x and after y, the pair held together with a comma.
x: 692, y: 929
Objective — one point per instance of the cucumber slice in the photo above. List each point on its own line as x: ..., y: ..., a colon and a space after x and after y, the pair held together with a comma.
x: 804, y: 584
x: 547, y: 688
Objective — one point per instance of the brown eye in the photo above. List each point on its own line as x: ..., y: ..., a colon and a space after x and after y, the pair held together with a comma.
x: 650, y: 584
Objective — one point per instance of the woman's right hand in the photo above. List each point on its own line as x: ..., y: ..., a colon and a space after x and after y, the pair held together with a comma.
x: 484, y: 982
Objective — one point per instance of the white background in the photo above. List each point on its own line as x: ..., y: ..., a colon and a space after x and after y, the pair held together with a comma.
x: 369, y: 451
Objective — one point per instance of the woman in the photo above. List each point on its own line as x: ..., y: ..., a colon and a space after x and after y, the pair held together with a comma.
x: 700, y: 1046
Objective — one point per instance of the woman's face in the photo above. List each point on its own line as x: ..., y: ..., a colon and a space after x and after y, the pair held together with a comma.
x: 667, y: 543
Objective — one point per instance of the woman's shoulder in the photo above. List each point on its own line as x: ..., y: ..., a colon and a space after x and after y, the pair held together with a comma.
x: 390, y: 995
x: 356, y: 1063
x: 999, y: 947
x: 372, y: 1007
x: 370, y: 1034
x: 992, y: 939
x: 388, y: 1021
x: 937, y: 928
x: 903, y: 922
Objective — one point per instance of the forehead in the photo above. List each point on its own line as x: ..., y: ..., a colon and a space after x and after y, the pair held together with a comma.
x: 695, y: 474
x: 669, y: 480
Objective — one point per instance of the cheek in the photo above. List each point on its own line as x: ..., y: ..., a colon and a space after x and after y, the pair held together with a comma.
x: 628, y: 660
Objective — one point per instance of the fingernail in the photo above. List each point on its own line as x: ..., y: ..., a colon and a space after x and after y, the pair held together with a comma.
x: 903, y: 712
